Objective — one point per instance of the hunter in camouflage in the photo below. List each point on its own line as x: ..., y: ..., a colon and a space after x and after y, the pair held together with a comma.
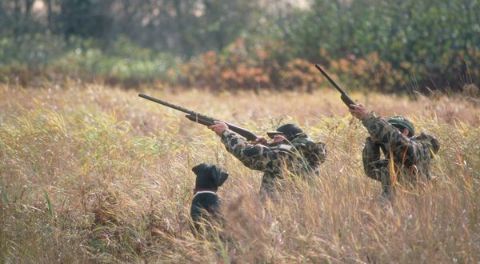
x: 407, y: 157
x: 292, y: 153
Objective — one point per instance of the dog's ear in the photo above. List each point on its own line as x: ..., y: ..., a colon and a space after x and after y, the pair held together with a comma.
x: 199, y: 169
x: 219, y: 175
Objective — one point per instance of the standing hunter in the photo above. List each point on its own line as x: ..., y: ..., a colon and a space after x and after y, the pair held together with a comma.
x: 292, y: 153
x: 407, y: 157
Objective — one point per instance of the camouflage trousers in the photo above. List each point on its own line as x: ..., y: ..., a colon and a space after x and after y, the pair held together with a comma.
x: 375, y: 167
x: 378, y: 169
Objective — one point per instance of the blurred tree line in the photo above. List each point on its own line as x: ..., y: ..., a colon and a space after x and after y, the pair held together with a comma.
x: 422, y: 43
x: 183, y: 27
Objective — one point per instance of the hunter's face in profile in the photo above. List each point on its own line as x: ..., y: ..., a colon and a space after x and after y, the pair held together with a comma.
x: 404, y: 131
x: 279, y: 138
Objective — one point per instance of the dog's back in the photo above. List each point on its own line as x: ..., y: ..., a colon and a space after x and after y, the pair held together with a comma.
x: 205, y: 205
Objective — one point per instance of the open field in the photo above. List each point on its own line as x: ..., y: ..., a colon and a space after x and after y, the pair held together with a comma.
x: 96, y: 174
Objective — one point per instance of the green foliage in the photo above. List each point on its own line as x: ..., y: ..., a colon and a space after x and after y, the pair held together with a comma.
x: 32, y: 50
x: 431, y: 41
x: 124, y: 62
x: 50, y: 56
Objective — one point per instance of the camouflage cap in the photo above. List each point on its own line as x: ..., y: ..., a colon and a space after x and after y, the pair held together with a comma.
x: 401, y: 122
x: 290, y: 131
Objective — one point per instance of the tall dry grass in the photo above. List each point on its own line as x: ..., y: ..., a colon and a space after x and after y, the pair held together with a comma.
x: 90, y: 173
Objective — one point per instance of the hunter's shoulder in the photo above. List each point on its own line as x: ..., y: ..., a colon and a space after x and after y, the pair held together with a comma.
x: 428, y: 140
x: 307, y: 143
x: 372, y: 118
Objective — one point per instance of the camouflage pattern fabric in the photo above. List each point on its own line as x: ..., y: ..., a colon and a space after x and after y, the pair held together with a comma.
x: 411, y: 156
x: 300, y: 157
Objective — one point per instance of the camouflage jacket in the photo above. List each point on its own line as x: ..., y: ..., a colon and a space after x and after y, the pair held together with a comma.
x: 300, y: 157
x: 411, y: 156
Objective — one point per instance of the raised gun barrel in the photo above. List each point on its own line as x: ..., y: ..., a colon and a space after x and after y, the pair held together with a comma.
x: 202, y: 119
x: 345, y: 98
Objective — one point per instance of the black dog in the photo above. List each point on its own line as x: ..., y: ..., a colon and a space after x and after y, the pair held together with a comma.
x: 206, y: 203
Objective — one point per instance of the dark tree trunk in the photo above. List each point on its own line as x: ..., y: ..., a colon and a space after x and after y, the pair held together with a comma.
x: 49, y: 15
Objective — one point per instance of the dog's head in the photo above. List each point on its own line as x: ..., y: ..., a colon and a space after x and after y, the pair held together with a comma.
x: 209, y: 177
